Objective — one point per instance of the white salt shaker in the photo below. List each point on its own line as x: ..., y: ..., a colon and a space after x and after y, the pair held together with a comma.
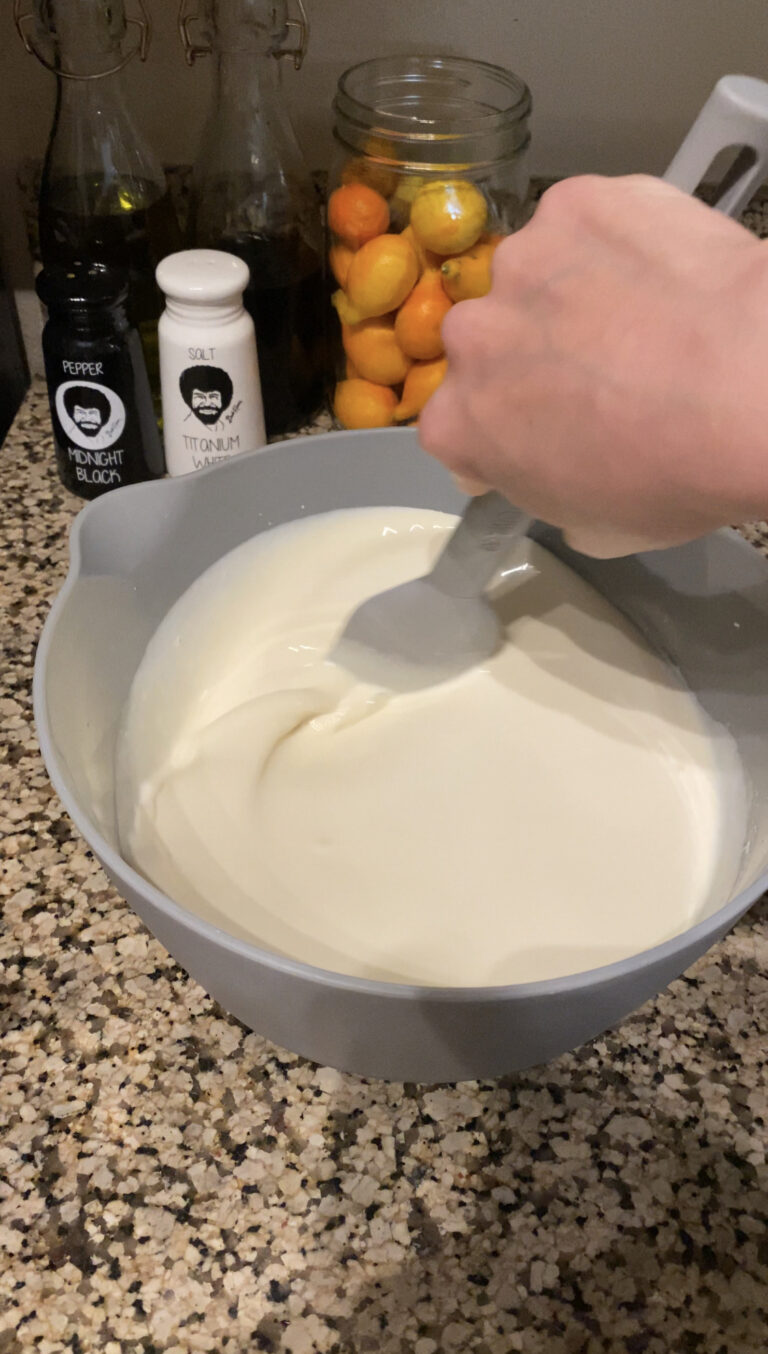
x: 209, y: 371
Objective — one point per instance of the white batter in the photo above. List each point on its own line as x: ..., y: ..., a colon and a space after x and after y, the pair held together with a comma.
x: 560, y: 808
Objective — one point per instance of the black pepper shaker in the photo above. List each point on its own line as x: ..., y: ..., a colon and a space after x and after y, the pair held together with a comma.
x: 104, y: 425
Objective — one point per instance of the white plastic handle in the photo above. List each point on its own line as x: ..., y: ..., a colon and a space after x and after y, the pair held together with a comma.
x: 735, y: 117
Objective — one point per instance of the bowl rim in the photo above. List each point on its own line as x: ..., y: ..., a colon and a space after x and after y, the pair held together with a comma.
x: 119, y: 869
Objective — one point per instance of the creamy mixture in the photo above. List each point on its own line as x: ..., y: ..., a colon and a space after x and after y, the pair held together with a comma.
x: 559, y: 808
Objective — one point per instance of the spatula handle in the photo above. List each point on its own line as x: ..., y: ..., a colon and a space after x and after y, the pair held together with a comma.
x: 735, y: 117
x: 479, y: 545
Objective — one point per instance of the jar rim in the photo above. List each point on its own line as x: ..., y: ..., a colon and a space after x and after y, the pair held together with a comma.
x: 470, y: 118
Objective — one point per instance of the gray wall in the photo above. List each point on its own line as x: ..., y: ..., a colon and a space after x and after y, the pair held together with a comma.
x: 615, y: 82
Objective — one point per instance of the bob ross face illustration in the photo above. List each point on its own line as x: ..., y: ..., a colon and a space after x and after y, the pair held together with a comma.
x: 207, y: 391
x: 88, y: 408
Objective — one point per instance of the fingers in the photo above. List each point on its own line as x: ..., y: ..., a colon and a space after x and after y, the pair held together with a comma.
x: 604, y: 543
x: 443, y: 428
x: 466, y: 484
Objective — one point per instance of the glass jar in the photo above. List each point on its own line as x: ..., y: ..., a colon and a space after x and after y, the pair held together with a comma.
x: 430, y: 172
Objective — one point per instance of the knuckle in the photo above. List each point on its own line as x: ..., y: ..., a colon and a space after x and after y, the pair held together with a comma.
x: 509, y: 259
x: 576, y: 196
x: 645, y: 183
x: 459, y: 328
x: 560, y: 196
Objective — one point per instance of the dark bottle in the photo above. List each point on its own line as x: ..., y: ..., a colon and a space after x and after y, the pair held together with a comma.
x: 253, y: 196
x: 104, y: 425
x: 103, y: 195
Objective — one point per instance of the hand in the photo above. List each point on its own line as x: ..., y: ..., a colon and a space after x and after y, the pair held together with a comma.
x: 613, y: 381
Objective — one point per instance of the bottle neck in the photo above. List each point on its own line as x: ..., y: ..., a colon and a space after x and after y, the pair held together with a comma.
x: 250, y: 178
x: 248, y: 132
x: 81, y: 37
x: 205, y: 316
x: 96, y: 149
x: 251, y: 27
x: 245, y: 83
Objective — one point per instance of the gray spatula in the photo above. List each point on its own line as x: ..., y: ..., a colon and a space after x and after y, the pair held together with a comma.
x: 434, y: 627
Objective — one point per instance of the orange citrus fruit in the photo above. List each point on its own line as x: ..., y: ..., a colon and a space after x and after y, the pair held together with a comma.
x: 340, y: 256
x: 357, y: 213
x: 350, y: 370
x: 375, y: 352
x: 469, y: 274
x: 361, y: 169
x: 421, y: 382
x: 448, y: 215
x: 344, y: 309
x: 420, y: 318
x: 425, y: 257
x: 381, y: 275
x: 402, y: 198
x: 363, y: 404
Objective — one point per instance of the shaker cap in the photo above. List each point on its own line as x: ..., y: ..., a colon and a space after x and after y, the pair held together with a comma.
x: 82, y: 284
x: 202, y: 276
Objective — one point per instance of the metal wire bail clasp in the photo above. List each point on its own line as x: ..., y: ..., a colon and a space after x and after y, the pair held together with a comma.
x: 302, y: 29
x: 188, y: 14
x: 23, y: 19
x: 192, y: 49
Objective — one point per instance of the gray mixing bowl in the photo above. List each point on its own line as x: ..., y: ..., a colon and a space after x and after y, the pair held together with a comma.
x: 135, y: 551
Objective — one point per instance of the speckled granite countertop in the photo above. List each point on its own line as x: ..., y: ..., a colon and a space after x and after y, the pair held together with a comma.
x: 170, y: 1181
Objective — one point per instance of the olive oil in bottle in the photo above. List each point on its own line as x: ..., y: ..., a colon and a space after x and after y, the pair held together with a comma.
x: 103, y: 196
x: 253, y: 196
